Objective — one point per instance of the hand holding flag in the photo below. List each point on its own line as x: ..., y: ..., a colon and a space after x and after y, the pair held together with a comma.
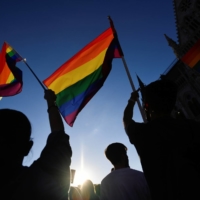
x: 80, y: 78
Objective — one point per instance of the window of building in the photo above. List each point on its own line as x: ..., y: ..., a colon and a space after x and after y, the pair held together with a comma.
x: 186, y: 30
x: 185, y: 5
x: 192, y: 23
x: 187, y: 46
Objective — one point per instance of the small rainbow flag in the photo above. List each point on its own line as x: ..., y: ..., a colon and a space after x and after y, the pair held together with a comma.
x: 10, y: 75
x: 192, y: 57
x: 80, y: 78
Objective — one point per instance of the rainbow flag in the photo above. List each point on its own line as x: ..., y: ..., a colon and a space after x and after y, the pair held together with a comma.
x: 192, y: 57
x: 10, y: 75
x: 79, y: 79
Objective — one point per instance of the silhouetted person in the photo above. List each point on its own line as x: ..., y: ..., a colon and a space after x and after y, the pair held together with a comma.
x: 74, y: 194
x: 97, y: 188
x: 87, y: 191
x: 169, y: 149
x: 49, y: 176
x: 122, y: 182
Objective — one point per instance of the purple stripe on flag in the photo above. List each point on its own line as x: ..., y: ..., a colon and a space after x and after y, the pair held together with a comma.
x: 71, y: 118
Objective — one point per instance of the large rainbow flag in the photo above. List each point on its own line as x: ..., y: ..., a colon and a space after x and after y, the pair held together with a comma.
x: 79, y: 79
x: 10, y: 75
x: 192, y: 57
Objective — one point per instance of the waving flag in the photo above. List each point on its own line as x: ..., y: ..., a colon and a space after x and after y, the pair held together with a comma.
x: 10, y: 75
x: 78, y: 80
x: 192, y: 57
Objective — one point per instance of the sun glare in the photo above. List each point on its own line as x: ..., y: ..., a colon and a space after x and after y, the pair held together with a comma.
x: 80, y: 177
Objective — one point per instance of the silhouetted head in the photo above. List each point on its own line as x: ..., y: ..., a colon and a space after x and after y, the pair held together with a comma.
x: 74, y: 194
x: 117, y: 154
x: 87, y: 190
x: 160, y: 97
x: 15, y: 135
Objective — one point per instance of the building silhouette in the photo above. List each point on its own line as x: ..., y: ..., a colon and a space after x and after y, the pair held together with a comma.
x: 187, y: 17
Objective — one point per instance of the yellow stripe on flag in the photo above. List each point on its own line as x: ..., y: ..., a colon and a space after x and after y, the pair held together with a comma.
x: 77, y: 74
x: 8, y: 49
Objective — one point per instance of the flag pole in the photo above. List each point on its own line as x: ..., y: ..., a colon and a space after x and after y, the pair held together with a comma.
x: 133, y: 88
x: 127, y: 70
x: 24, y: 60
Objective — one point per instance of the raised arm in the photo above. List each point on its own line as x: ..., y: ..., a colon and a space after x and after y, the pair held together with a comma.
x: 53, y: 165
x: 55, y: 119
x: 128, y: 112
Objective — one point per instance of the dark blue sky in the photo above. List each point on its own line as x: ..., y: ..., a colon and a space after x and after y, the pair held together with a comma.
x: 47, y: 33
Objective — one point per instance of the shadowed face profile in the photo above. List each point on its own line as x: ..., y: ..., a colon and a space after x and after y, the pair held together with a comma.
x: 15, y: 135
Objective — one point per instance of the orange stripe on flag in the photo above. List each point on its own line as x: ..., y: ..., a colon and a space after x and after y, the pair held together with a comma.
x: 192, y: 54
x: 88, y: 53
x: 4, y: 74
x: 194, y: 61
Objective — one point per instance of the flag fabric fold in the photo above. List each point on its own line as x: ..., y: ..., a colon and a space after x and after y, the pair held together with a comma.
x: 80, y: 78
x: 10, y: 75
x: 192, y: 57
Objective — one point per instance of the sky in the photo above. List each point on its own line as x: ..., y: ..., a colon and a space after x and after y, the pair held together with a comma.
x: 48, y: 33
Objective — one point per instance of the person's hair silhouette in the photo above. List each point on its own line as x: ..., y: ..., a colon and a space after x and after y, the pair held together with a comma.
x: 159, y: 98
x: 116, y: 153
x: 87, y: 191
x: 15, y: 136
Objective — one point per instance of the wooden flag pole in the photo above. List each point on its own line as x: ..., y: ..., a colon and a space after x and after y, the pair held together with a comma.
x: 34, y: 74
x: 127, y: 71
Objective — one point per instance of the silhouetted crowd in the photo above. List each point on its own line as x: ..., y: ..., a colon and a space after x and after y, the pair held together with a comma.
x: 168, y: 148
x: 85, y: 191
